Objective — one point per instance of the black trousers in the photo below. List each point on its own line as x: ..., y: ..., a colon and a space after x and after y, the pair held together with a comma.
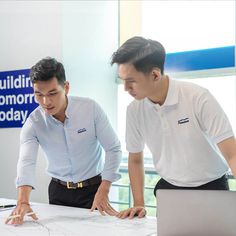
x: 80, y: 197
x: 218, y: 184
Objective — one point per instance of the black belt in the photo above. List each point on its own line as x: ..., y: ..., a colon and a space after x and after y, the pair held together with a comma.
x: 70, y: 185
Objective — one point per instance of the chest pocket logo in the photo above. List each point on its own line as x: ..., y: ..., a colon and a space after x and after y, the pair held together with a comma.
x: 182, y: 121
x: 81, y: 130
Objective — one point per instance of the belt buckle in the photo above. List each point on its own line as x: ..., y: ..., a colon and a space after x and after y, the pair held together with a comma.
x: 79, y: 185
x: 69, y: 186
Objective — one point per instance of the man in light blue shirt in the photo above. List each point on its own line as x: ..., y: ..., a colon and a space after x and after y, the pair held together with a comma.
x: 72, y: 132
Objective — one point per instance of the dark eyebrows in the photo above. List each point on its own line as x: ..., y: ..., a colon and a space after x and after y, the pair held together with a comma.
x: 129, y: 79
x: 126, y: 79
x: 37, y: 92
x: 51, y: 91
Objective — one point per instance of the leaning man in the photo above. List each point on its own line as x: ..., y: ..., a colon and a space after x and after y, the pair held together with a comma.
x: 73, y: 132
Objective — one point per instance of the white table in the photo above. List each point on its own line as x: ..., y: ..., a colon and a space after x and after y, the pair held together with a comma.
x: 66, y: 221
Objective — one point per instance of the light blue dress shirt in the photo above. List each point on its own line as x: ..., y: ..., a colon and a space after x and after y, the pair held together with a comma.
x: 74, y: 149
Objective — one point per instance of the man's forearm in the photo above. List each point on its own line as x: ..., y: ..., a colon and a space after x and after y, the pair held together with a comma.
x: 24, y: 194
x: 105, y: 185
x: 136, y: 175
x: 232, y: 164
x: 228, y: 149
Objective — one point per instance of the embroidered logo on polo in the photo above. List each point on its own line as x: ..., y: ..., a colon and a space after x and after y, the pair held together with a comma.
x: 81, y: 130
x: 182, y: 121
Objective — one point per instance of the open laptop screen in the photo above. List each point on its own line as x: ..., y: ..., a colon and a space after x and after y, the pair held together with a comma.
x: 196, y: 213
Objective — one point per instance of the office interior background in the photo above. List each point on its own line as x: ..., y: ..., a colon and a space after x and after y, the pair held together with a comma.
x: 84, y: 34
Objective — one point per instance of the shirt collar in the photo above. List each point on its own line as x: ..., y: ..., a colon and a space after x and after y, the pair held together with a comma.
x: 68, y: 108
x: 172, y: 97
x: 67, y: 111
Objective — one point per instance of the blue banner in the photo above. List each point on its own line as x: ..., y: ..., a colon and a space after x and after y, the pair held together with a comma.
x: 16, y: 98
x: 205, y: 59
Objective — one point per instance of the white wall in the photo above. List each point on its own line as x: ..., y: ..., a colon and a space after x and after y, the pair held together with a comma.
x: 90, y: 36
x: 83, y: 36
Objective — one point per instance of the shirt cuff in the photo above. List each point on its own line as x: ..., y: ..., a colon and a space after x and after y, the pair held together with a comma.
x: 111, y: 177
x: 224, y: 136
x: 23, y: 181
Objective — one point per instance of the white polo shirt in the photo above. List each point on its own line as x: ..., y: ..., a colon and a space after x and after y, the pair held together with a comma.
x: 181, y: 134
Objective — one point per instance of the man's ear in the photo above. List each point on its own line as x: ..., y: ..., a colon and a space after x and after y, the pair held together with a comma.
x: 156, y: 73
x: 67, y: 87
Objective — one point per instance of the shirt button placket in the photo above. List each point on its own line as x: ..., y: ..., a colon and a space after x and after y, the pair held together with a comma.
x: 66, y: 137
x: 164, y: 122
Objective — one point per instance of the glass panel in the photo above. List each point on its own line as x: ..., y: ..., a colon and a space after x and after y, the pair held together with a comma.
x: 189, y: 25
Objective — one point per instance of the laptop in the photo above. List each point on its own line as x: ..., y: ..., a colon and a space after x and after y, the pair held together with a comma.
x: 196, y: 213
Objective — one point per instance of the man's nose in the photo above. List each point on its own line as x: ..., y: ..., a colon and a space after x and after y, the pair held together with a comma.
x: 46, y: 100
x: 126, y: 86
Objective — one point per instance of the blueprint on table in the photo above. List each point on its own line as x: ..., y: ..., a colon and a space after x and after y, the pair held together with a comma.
x: 67, y: 221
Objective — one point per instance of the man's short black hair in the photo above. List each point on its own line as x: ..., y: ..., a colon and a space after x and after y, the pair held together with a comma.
x: 144, y: 54
x: 46, y: 69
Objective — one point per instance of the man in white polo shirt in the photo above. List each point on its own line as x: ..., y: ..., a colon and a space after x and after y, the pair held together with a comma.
x: 187, y: 132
